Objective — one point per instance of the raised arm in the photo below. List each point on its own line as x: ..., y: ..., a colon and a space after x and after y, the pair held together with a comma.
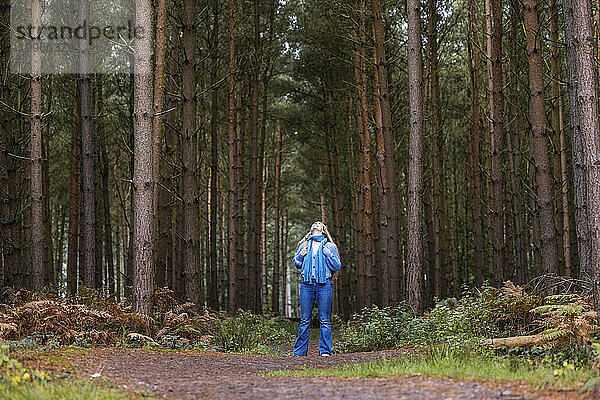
x: 332, y: 256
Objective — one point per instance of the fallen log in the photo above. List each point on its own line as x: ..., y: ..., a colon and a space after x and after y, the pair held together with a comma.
x: 517, y: 341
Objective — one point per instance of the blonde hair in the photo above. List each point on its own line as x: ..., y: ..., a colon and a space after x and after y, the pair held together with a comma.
x: 325, y: 232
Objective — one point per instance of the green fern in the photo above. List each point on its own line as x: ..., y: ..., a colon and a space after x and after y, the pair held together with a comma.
x: 553, y: 334
x: 559, y: 309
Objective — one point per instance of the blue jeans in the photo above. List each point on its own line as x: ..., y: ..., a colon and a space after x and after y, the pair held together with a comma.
x: 323, y: 294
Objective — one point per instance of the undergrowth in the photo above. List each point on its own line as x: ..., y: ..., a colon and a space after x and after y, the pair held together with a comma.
x: 557, y: 332
x: 44, y: 321
x: 477, y: 363
x: 484, y: 313
x: 247, y: 332
x: 68, y: 390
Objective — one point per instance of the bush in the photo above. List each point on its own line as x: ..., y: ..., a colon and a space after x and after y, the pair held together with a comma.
x: 373, y: 329
x: 488, y: 312
x: 247, y: 332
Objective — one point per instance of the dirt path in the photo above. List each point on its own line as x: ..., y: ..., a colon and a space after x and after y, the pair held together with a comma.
x: 210, y: 375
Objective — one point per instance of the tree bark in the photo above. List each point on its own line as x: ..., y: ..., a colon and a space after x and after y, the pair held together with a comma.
x: 286, y: 266
x: 355, y: 200
x: 388, y: 213
x: 143, y: 188
x: 189, y: 160
x: 252, y: 263
x: 497, y: 133
x: 584, y: 122
x: 88, y: 195
x: 99, y: 210
x: 74, y: 187
x: 436, y: 195
x: 48, y: 258
x: 38, y: 235
x: 276, y: 247
x: 108, y: 242
x: 232, y: 170
x: 365, y: 265
x: 475, y: 161
x: 213, y: 291
x: 263, y: 237
x: 514, y: 157
x: 337, y: 208
x: 540, y: 145
x: 579, y: 183
x: 415, y: 171
x: 241, y: 267
x: 6, y: 131
x: 159, y: 94
x: 170, y: 200
x: 558, y: 129
x: 118, y: 222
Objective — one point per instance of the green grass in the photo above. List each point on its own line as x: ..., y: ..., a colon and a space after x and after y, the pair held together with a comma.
x: 443, y: 363
x: 70, y: 390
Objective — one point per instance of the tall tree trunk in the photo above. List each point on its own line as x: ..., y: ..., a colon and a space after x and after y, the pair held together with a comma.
x: 222, y: 251
x: 38, y: 235
x: 514, y: 156
x: 540, y: 145
x: 159, y: 85
x: 558, y: 129
x: 286, y: 267
x: 6, y: 130
x: 356, y: 201
x: 117, y: 240
x: 597, y: 33
x: 108, y: 242
x: 25, y: 228
x: 388, y: 212
x: 170, y: 202
x: 74, y: 187
x: 263, y: 237
x: 579, y: 183
x: 159, y: 92
x: 488, y: 138
x: 337, y: 209
x: 584, y: 123
x: 130, y: 248
x: 479, y: 254
x: 88, y: 197
x: 436, y: 195
x: 497, y: 131
x: 276, y: 244
x: 98, y: 207
x: 49, y: 265
x: 364, y: 274
x: 213, y: 292
x: 253, y: 288
x: 190, y: 158
x: 60, y: 247
x: 232, y: 172
x: 143, y: 189
x: 415, y: 171
x: 205, y: 241
x: 241, y: 267
x: 121, y: 217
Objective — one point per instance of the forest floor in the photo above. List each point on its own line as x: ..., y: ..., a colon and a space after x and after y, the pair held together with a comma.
x: 212, y: 375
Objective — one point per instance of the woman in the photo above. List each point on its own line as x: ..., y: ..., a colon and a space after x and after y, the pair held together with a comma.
x: 317, y: 257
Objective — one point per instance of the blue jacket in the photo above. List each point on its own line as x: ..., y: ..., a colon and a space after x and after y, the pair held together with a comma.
x: 326, y: 260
